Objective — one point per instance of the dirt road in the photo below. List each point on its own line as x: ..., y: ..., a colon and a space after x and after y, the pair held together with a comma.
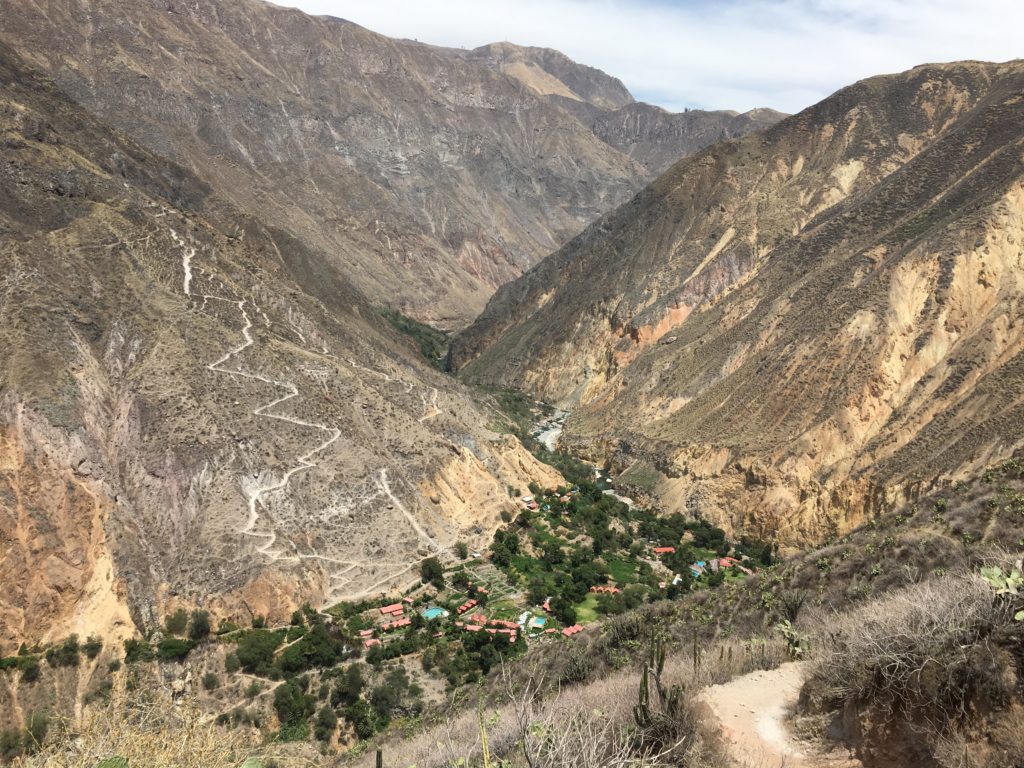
x: 753, y: 710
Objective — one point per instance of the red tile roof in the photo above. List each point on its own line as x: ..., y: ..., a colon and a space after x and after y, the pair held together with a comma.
x: 466, y: 606
x: 570, y: 631
x: 393, y: 608
x: 664, y: 550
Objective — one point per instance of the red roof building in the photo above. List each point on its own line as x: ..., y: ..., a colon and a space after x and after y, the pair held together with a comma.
x: 466, y: 606
x: 392, y: 610
x: 664, y: 550
x: 570, y: 631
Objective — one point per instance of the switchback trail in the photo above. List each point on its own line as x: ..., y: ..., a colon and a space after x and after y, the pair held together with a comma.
x: 255, y: 489
x: 752, y: 711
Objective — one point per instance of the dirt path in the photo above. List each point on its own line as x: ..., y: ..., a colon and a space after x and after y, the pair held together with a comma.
x: 753, y: 712
x: 264, y: 483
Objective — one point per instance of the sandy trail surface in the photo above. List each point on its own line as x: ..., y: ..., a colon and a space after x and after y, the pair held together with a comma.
x: 753, y: 711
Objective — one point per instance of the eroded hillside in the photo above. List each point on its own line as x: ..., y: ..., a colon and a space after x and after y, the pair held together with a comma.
x: 196, y: 406
x: 430, y: 175
x: 788, y: 331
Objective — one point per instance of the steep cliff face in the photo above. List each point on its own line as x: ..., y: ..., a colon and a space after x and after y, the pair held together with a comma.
x: 197, y: 407
x: 430, y: 175
x: 797, y: 327
x: 656, y: 138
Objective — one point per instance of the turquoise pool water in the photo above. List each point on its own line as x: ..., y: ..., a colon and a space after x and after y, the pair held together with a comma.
x: 434, y: 613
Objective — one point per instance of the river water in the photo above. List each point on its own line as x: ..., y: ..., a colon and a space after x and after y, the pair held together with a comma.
x: 548, y: 431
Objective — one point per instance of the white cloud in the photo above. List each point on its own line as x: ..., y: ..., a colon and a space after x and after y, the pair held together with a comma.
x: 718, y: 54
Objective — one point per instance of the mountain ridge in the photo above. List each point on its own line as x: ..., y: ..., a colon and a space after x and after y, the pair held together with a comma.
x: 455, y: 176
x: 198, y: 407
x: 646, y: 322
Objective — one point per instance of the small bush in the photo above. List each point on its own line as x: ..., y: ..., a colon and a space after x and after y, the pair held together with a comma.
x: 211, y: 682
x: 64, y: 655
x: 176, y: 622
x: 326, y: 724
x: 199, y: 628
x: 173, y: 649
x: 92, y: 646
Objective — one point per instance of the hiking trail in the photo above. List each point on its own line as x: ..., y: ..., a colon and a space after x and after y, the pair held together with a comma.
x: 255, y: 488
x: 753, y: 710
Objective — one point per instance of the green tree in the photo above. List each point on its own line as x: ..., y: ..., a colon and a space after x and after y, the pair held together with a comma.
x: 211, y: 682
x: 564, y: 610
x: 173, y: 649
x: 432, y: 572
x: 137, y: 650
x: 292, y: 703
x: 362, y: 717
x: 349, y: 686
x: 326, y: 723
x: 461, y: 550
x: 64, y: 655
x: 256, y: 651
x: 30, y: 671
x: 199, y: 629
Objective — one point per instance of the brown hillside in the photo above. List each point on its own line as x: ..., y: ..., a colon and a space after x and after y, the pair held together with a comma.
x: 429, y: 175
x: 799, y: 326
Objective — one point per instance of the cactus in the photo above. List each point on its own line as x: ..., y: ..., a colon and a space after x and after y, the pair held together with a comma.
x: 797, y: 643
x: 1006, y: 585
x: 656, y: 702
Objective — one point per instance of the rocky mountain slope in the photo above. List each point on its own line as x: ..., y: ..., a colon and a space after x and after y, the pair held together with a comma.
x: 430, y: 175
x: 196, y: 406
x: 789, y: 331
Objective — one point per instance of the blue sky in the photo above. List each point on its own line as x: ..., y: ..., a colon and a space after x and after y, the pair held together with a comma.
x: 736, y: 54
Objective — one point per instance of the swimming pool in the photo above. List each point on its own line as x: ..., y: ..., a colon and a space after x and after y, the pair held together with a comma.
x: 434, y: 612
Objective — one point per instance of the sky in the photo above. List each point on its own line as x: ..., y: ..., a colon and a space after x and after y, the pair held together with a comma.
x: 729, y: 54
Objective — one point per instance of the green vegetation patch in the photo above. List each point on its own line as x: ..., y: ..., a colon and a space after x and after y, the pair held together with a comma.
x: 432, y: 342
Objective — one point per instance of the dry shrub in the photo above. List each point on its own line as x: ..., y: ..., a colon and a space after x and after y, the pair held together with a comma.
x: 591, y: 725
x: 145, y: 729
x: 928, y: 659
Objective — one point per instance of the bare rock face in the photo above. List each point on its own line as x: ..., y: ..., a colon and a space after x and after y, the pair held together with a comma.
x: 198, y: 408
x: 429, y: 175
x: 796, y: 329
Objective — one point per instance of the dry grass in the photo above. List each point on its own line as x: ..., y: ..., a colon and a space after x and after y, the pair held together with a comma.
x: 149, y: 729
x: 589, y: 725
x: 937, y: 662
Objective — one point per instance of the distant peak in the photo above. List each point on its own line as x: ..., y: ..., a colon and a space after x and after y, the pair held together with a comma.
x: 551, y: 73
